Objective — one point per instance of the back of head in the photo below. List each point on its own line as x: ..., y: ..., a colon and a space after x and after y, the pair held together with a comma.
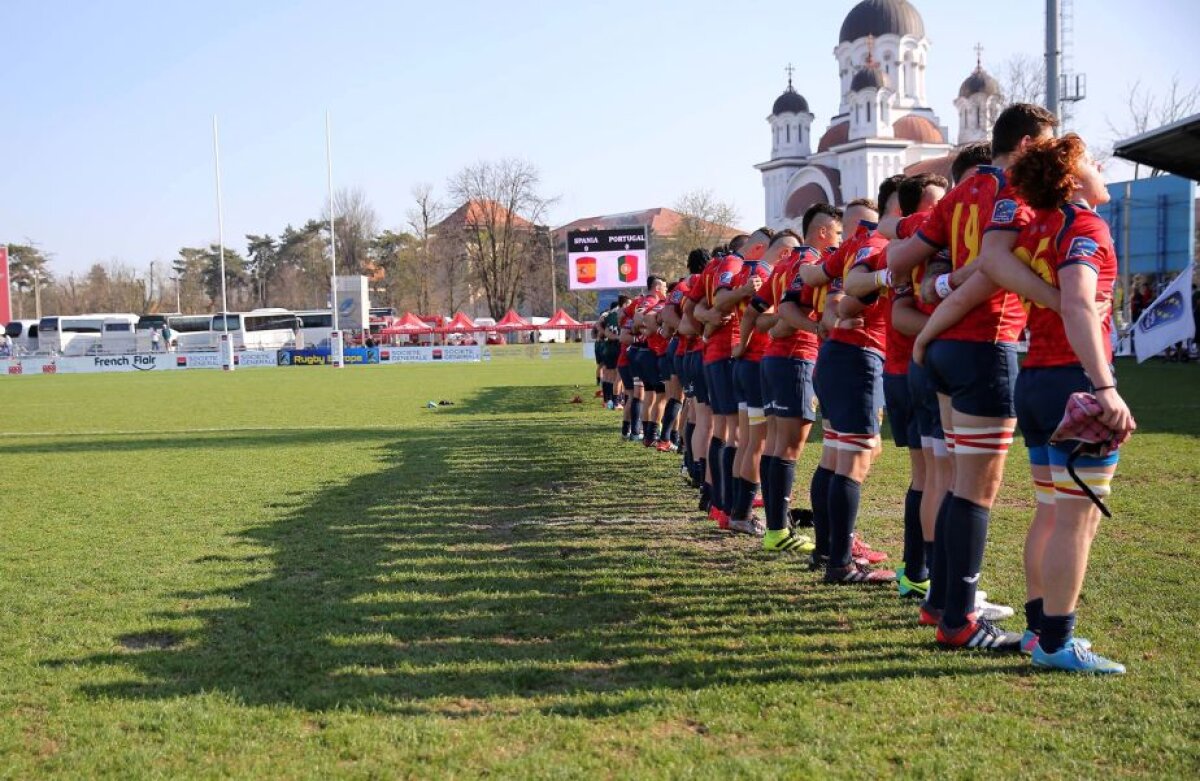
x: 737, y: 242
x: 697, y: 260
x: 786, y: 233
x: 860, y: 210
x: 970, y: 156
x: 888, y: 188
x: 1044, y: 172
x: 1018, y: 122
x: 824, y: 211
x: 912, y: 191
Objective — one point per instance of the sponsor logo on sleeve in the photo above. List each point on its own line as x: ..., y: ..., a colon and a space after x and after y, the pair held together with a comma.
x: 1082, y: 248
x: 1004, y: 212
x: 726, y: 278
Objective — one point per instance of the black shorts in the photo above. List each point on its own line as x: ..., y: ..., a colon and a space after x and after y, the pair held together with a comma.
x: 718, y: 375
x: 850, y: 386
x: 788, y: 388
x: 979, y: 377
x: 923, y: 397
x: 1041, y: 399
x: 699, y: 383
x: 610, y: 354
x: 901, y: 413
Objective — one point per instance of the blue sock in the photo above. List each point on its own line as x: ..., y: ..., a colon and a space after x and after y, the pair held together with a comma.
x: 967, y: 525
x: 766, y: 472
x: 745, y: 498
x: 715, y: 446
x: 668, y: 421
x: 819, y: 495
x: 728, y: 453
x: 915, y: 568
x: 937, y: 572
x: 1033, y: 615
x: 844, y: 495
x: 783, y: 476
x: 1056, y: 631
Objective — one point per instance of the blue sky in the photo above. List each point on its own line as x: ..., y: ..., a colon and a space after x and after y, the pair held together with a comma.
x: 622, y: 105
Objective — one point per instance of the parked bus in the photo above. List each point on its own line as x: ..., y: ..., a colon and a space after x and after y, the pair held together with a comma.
x: 70, y: 334
x: 316, y: 325
x: 192, y: 332
x: 24, y: 335
x: 261, y: 329
x: 118, y: 334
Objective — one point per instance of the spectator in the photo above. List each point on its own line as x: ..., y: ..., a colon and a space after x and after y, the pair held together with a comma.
x: 1143, y: 297
x: 6, y: 346
x: 155, y: 339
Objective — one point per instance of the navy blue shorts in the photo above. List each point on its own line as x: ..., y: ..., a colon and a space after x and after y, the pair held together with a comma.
x: 788, y: 388
x: 901, y: 412
x: 850, y: 386
x: 647, y: 369
x: 718, y: 375
x: 923, y: 397
x: 626, y: 374
x: 979, y: 377
x: 695, y: 364
x: 666, y: 366
x: 1041, y: 399
x: 672, y: 346
x: 747, y: 383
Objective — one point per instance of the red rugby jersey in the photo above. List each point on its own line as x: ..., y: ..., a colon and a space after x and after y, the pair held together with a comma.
x: 870, y: 254
x: 756, y: 345
x: 784, y: 278
x: 719, y: 345
x: 899, y: 345
x: 980, y: 203
x: 1057, y: 238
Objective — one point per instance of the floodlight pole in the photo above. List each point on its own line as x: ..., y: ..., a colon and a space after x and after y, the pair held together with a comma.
x: 226, y: 343
x: 1053, y: 50
x: 1127, y: 300
x: 553, y: 273
x: 335, y: 342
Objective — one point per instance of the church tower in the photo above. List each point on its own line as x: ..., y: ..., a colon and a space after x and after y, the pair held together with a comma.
x: 791, y: 145
x: 979, y: 103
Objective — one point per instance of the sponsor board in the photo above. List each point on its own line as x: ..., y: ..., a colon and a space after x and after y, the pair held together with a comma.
x: 449, y: 354
x: 351, y: 356
x: 600, y: 259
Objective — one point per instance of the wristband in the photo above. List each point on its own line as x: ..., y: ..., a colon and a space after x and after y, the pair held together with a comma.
x: 942, y: 286
x: 1103, y: 387
x: 883, y: 278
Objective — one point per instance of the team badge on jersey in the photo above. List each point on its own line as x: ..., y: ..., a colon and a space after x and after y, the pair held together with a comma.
x: 862, y: 255
x: 797, y: 283
x: 726, y: 278
x: 1082, y: 248
x: 1004, y: 211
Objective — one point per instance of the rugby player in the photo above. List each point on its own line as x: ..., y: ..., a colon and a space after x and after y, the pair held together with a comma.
x: 1069, y: 250
x: 973, y: 365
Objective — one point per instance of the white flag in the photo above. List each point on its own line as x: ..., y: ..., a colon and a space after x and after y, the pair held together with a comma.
x: 1168, y: 320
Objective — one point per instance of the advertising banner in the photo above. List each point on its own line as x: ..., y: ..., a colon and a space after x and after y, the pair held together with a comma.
x: 5, y: 287
x: 352, y: 356
x: 353, y: 305
x: 607, y: 258
x: 449, y: 354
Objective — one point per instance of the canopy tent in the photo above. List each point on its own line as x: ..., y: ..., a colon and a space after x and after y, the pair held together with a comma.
x: 561, y: 321
x: 512, y: 322
x: 408, y: 324
x: 459, y: 324
x: 1174, y: 148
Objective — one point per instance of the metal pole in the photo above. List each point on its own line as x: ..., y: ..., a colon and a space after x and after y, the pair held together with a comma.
x: 178, y: 308
x: 1126, y: 303
x: 220, y: 223
x: 553, y: 275
x: 37, y: 294
x: 333, y: 303
x: 1052, y: 55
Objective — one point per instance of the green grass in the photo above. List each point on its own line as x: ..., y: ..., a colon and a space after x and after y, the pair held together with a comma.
x: 304, y: 573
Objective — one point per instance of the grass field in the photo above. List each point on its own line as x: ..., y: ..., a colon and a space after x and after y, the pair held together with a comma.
x: 305, y: 573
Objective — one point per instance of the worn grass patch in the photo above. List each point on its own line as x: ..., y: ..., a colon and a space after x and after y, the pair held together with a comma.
x: 304, y: 573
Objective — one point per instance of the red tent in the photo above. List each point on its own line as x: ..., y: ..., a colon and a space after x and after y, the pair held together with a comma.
x: 512, y: 322
x: 459, y: 324
x: 409, y: 324
x: 561, y: 321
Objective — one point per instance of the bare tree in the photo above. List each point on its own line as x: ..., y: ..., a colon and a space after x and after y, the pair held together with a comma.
x: 355, y: 226
x: 500, y: 214
x: 426, y: 212
x: 1023, y: 79
x: 1147, y: 110
x: 705, y: 222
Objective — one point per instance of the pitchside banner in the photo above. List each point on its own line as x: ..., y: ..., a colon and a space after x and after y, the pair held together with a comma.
x: 5, y: 287
x: 611, y: 258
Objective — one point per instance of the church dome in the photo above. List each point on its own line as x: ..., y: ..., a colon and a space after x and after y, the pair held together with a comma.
x: 882, y: 17
x: 790, y: 102
x: 918, y: 129
x: 980, y: 81
x: 868, y: 77
x: 836, y: 135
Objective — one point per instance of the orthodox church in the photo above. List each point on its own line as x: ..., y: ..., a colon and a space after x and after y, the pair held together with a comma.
x: 884, y: 124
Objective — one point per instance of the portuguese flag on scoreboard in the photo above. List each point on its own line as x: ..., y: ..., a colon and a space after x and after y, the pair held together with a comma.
x: 627, y: 267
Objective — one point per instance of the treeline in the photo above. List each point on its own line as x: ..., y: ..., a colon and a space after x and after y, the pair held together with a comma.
x: 489, y: 253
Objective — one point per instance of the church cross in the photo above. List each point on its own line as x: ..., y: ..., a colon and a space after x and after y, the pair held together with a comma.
x: 979, y: 56
x: 790, y: 70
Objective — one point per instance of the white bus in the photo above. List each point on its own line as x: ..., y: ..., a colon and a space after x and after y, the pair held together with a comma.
x: 24, y: 335
x: 118, y: 334
x: 192, y: 332
x: 260, y: 329
x: 315, y: 327
x: 70, y: 334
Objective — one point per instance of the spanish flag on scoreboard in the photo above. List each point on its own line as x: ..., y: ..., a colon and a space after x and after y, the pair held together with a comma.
x: 627, y: 268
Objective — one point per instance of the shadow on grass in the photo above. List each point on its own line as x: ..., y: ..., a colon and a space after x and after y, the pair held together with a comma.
x: 470, y: 568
